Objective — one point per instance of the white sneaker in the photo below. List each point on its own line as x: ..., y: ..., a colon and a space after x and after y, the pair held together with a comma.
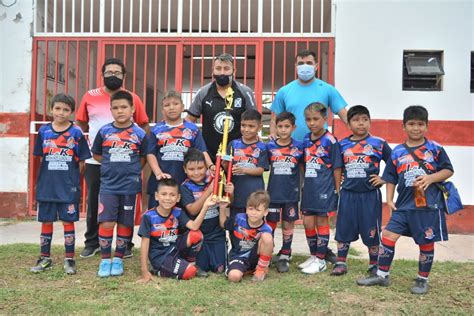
x: 316, y: 266
x: 307, y: 262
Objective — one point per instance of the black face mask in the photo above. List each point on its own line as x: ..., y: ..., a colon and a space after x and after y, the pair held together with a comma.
x: 113, y: 83
x: 223, y: 80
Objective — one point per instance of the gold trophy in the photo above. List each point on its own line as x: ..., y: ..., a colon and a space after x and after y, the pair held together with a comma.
x: 220, y: 179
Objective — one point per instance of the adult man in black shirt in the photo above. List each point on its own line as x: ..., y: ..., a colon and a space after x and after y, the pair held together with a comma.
x: 210, y: 103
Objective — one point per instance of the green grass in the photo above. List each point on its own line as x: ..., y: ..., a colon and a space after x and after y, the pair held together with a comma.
x: 52, y: 292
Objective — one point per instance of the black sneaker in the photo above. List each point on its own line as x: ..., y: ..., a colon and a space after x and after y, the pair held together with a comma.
x: 372, y: 271
x: 283, y: 265
x: 339, y: 269
x: 89, y: 252
x: 69, y: 266
x: 201, y: 273
x: 128, y: 252
x: 374, y: 280
x: 330, y: 256
x: 43, y: 264
x: 421, y: 286
x: 276, y: 258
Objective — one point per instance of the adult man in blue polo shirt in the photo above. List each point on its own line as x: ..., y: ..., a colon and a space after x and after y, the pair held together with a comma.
x: 296, y: 95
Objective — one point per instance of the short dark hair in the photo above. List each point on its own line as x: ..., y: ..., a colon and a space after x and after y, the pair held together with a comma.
x: 357, y: 110
x: 286, y: 116
x: 167, y: 183
x: 415, y: 112
x: 120, y: 95
x: 64, y: 98
x: 193, y: 155
x: 316, y: 107
x: 225, y: 57
x: 304, y: 53
x: 259, y: 197
x: 172, y: 94
x: 114, y: 61
x: 251, y: 115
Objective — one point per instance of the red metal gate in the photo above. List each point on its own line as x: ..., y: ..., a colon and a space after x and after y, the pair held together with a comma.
x: 73, y: 65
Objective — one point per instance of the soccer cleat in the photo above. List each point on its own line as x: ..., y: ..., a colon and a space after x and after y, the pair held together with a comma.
x: 69, y: 266
x: 128, y: 251
x: 283, y: 265
x: 43, y: 264
x: 259, y: 275
x: 374, y: 280
x: 316, y: 266
x: 276, y: 258
x: 339, y: 269
x: 104, y: 268
x: 330, y: 256
x: 201, y: 273
x: 421, y: 286
x: 372, y: 271
x: 307, y: 262
x: 89, y: 252
x: 117, y: 267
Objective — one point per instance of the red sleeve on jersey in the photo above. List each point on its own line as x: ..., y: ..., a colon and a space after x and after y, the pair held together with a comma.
x: 81, y: 113
x: 139, y: 116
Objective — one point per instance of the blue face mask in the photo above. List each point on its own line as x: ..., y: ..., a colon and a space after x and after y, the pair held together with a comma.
x: 305, y: 72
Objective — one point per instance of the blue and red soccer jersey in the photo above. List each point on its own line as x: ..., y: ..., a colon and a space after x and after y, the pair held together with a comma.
x: 121, y: 150
x: 247, y: 156
x: 190, y: 192
x: 361, y: 160
x: 169, y: 144
x: 321, y: 157
x: 59, y: 176
x: 163, y: 233
x: 243, y: 237
x: 284, y: 182
x: 402, y: 170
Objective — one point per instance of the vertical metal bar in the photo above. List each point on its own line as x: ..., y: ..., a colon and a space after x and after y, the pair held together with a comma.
x: 159, y: 17
x: 150, y: 9
x: 125, y: 61
x: 155, y: 83
x: 102, y: 16
x: 202, y: 64
x: 88, y: 64
x: 245, y: 64
x: 35, y: 16
x: 55, y: 14
x: 301, y: 17
x: 77, y: 69
x: 145, y: 73
x: 229, y: 24
x: 260, y: 16
x: 179, y: 18
x: 273, y: 69
x: 281, y: 17
x: 82, y: 16
x: 284, y: 62
x: 220, y: 16
x: 73, y: 20
x: 140, y: 16
x: 45, y: 82
x: 66, y: 70
x: 191, y: 71
x: 239, y: 5
x: 169, y: 16
x: 311, y: 19
x: 292, y: 7
x: 333, y: 18
x: 178, y: 85
x: 190, y: 16
x: 46, y: 14
x: 56, y: 67
x: 200, y: 17
x: 322, y: 16
x: 259, y: 74
x: 210, y: 18
x: 235, y: 59
x: 31, y: 161
x: 331, y: 62
x: 165, y: 88
x: 121, y: 16
x: 272, y: 13
x: 114, y: 50
x: 64, y: 17
x: 134, y: 66
x: 112, y: 16
x: 295, y: 74
x: 249, y: 17
x: 91, y: 30
x: 130, y: 29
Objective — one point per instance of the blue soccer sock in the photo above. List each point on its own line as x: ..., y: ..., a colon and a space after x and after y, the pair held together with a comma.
x: 312, y: 239
x: 342, y: 251
x: 69, y: 239
x: 124, y: 235
x: 106, y: 236
x: 323, y: 241
x: 45, y: 239
x: 426, y: 260
x: 287, y: 241
x: 373, y: 255
x: 386, y: 254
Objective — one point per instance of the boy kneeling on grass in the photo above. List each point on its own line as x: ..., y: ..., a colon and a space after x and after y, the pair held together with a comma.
x: 252, y: 241
x: 171, y: 254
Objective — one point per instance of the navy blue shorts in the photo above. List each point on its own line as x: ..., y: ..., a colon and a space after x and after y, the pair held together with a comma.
x: 424, y: 226
x: 288, y: 212
x: 174, y: 265
x: 360, y: 213
x: 236, y: 210
x: 244, y: 263
x: 212, y: 256
x: 51, y: 211
x: 117, y: 208
x: 315, y: 213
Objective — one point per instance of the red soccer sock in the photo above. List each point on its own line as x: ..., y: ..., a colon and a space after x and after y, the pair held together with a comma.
x: 263, y: 262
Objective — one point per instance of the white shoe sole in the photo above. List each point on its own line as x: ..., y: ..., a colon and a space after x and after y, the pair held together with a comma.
x: 306, y: 264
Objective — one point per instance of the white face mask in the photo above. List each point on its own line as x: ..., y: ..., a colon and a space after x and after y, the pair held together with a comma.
x: 305, y: 72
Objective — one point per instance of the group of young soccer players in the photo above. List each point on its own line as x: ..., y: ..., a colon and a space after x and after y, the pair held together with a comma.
x: 184, y: 231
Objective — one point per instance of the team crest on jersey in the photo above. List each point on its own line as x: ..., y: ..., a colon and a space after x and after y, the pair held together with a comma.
x: 49, y: 143
x: 70, y: 142
x: 429, y: 233
x: 187, y: 133
x: 133, y: 138
x: 320, y: 151
x: 256, y: 152
x: 368, y: 150
x: 164, y: 136
x: 428, y: 157
x: 349, y: 152
x: 71, y: 209
x: 237, y: 103
x: 294, y: 151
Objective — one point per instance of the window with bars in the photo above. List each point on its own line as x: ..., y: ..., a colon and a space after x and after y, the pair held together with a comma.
x: 422, y: 70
